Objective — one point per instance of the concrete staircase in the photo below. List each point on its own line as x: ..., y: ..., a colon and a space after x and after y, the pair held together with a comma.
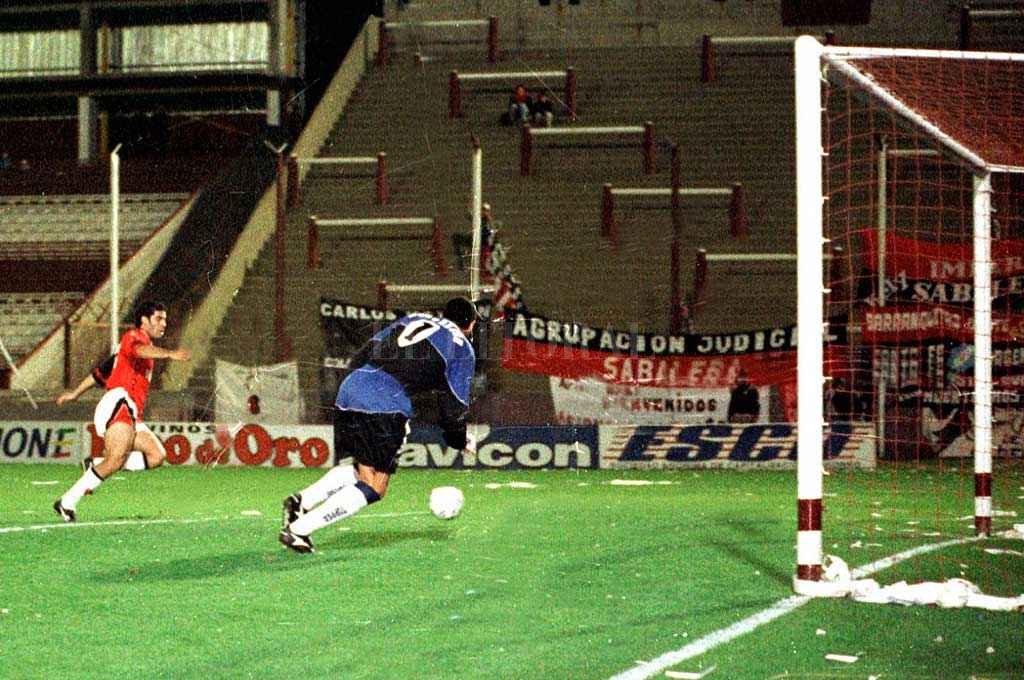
x: 739, y: 128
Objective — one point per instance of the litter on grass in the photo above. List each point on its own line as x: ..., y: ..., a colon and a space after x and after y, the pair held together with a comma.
x: 511, y: 485
x: 845, y: 658
x: 690, y: 675
x: 1001, y: 551
x: 48, y: 482
x: 949, y: 594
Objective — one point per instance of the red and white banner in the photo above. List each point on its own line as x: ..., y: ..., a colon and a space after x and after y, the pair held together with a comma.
x: 925, y: 260
x: 257, y: 394
x: 534, y: 344
x: 588, y: 402
x: 935, y: 322
x: 251, y: 444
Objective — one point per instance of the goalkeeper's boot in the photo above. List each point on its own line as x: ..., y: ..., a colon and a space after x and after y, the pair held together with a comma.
x: 300, y: 544
x: 66, y: 514
x: 291, y: 509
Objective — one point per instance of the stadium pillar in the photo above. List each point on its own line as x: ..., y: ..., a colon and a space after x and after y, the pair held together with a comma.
x: 676, y: 296
x: 282, y: 342
x: 88, y: 120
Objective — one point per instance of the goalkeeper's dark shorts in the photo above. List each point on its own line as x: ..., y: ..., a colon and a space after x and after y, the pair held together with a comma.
x: 372, y: 439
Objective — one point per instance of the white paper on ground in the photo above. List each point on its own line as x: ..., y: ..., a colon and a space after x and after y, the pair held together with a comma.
x: 688, y: 675
x: 845, y: 658
x: 952, y: 593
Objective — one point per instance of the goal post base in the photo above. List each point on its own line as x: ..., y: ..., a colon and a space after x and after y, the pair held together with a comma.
x: 820, y: 588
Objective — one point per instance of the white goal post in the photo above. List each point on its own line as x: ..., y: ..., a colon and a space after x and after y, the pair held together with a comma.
x: 814, y: 64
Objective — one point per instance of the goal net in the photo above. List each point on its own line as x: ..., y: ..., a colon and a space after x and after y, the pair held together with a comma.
x: 911, y: 162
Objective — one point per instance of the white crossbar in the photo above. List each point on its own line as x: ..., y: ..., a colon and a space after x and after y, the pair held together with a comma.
x: 372, y: 221
x: 338, y: 160
x: 910, y: 153
x: 850, y: 52
x: 447, y: 23
x: 440, y: 288
x: 997, y: 13
x: 751, y: 257
x: 754, y: 40
x: 512, y: 75
x: 682, y: 191
x: 611, y: 130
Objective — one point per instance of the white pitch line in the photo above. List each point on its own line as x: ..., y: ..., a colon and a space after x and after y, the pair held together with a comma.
x: 781, y: 608
x: 144, y: 522
x: 111, y: 523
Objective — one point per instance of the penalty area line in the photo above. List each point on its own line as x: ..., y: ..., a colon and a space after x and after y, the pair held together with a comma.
x: 114, y: 523
x: 778, y: 609
x: 193, y: 520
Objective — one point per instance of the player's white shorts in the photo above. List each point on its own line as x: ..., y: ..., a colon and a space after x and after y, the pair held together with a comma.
x: 107, y: 407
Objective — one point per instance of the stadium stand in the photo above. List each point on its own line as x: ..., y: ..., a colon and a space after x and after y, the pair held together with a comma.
x: 551, y: 229
x: 78, y: 226
x: 26, y: 318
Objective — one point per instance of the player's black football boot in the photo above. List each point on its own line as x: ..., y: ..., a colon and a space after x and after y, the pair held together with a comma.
x: 291, y: 509
x: 65, y: 514
x: 300, y: 544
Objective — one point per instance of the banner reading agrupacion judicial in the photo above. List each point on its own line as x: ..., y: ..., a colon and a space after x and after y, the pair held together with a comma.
x: 536, y: 344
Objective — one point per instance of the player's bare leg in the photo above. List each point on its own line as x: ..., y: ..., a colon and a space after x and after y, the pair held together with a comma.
x: 369, y: 488
x: 377, y: 480
x: 152, y: 450
x: 117, y: 442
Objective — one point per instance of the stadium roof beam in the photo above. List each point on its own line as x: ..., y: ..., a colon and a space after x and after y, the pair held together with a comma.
x: 34, y: 16
x: 134, y: 84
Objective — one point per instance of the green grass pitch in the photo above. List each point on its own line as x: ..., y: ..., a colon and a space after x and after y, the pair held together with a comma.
x: 575, y: 578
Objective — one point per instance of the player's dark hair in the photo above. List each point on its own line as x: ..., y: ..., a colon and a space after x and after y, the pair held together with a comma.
x: 461, y: 311
x: 146, y: 310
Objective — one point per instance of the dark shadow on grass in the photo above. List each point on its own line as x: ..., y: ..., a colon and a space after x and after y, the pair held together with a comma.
x: 747, y: 551
x: 272, y: 558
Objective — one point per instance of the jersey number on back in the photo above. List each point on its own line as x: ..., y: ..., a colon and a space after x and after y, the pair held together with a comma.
x: 417, y: 331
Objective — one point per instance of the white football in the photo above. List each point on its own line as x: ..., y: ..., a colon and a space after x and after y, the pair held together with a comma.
x: 446, y: 502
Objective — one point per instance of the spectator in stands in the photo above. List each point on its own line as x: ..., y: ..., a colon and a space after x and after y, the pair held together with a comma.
x: 843, y: 403
x: 519, y: 105
x: 543, y: 113
x: 744, y: 402
x: 686, y: 317
x: 6, y: 162
x: 462, y: 242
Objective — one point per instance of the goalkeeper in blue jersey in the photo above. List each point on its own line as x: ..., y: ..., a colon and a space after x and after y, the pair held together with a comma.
x: 419, y: 353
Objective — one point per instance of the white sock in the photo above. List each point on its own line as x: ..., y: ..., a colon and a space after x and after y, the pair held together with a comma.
x: 346, y: 502
x: 89, y: 481
x: 328, y: 485
x: 135, y: 462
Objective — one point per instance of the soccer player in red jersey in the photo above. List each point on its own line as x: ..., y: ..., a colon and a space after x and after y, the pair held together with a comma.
x: 118, y: 415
